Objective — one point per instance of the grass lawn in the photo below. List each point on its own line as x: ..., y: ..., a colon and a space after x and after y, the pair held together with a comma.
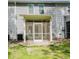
x: 53, y: 51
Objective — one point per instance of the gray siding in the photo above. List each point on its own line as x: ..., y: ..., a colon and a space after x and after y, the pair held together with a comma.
x: 11, y: 23
x: 16, y: 23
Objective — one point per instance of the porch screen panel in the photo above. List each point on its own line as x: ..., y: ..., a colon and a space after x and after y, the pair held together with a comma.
x: 29, y: 30
x: 38, y: 31
x: 38, y: 28
x: 46, y: 30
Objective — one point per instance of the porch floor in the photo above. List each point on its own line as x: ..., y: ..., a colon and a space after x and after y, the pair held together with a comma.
x: 31, y: 42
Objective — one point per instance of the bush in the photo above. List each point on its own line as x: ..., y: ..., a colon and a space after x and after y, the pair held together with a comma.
x: 64, y: 46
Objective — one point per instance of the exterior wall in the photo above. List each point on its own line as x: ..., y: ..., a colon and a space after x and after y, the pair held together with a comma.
x: 11, y: 23
x: 22, y: 10
x: 57, y: 12
x: 20, y: 25
x: 58, y: 19
x: 36, y: 10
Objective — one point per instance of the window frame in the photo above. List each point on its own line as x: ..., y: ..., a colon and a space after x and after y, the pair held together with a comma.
x: 31, y: 8
x: 41, y: 8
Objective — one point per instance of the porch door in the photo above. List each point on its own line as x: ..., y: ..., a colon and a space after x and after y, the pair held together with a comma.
x: 38, y: 32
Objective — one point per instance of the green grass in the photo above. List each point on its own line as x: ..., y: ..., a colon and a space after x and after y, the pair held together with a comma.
x: 54, y: 51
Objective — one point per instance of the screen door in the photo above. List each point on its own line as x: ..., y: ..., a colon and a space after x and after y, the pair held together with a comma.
x: 38, y: 32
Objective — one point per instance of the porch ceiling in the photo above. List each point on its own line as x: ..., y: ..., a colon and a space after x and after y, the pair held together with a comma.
x: 37, y: 17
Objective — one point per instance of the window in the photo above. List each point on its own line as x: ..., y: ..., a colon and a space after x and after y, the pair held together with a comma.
x: 41, y: 9
x: 69, y: 9
x: 30, y: 8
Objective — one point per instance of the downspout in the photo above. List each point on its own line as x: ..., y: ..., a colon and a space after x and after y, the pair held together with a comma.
x: 15, y: 20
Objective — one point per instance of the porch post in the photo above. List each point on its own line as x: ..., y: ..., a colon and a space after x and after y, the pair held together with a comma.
x: 33, y: 32
x: 50, y: 30
x: 24, y: 34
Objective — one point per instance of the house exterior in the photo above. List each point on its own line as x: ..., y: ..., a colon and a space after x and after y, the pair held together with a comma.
x: 38, y: 20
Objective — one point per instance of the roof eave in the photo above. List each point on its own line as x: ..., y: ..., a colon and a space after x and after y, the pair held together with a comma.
x: 41, y: 2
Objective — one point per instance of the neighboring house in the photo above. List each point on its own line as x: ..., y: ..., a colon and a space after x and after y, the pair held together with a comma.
x: 38, y: 20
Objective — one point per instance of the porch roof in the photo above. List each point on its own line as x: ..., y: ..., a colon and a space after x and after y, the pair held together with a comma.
x: 37, y: 17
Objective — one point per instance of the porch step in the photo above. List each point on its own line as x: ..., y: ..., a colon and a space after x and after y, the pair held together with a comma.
x: 37, y: 42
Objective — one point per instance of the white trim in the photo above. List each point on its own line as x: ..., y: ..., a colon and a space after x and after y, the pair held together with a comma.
x: 24, y: 35
x: 33, y: 32
x: 15, y: 20
x: 51, y: 31
x: 42, y: 31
